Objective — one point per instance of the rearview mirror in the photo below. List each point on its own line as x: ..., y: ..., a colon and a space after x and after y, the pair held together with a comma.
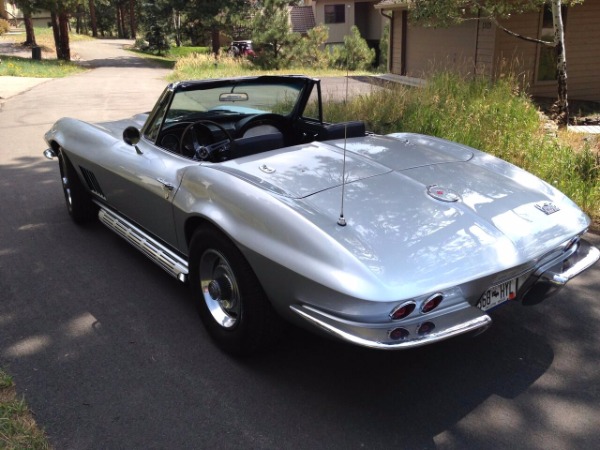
x: 131, y: 135
x: 233, y: 97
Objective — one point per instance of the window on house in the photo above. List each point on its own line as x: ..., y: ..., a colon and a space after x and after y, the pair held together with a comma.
x: 335, y: 13
x: 546, y: 67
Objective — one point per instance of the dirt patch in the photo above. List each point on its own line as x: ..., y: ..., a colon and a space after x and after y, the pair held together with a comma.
x: 581, y: 112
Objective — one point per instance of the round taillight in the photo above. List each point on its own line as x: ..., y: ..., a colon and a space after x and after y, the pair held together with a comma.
x: 398, y: 334
x: 431, y: 303
x: 425, y: 328
x: 400, y: 312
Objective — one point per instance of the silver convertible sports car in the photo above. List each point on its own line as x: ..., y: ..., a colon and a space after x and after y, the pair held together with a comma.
x: 239, y: 188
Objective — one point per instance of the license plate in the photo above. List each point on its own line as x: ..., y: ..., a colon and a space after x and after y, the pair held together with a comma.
x: 498, y: 294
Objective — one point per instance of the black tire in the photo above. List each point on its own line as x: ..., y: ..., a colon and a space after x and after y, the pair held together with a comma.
x: 230, y: 300
x: 79, y: 203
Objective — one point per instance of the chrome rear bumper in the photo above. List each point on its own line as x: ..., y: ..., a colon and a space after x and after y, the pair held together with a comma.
x: 465, y: 320
x: 543, y: 282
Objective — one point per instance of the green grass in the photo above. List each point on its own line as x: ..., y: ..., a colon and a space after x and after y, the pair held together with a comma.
x: 18, y: 429
x: 204, y: 66
x: 47, y: 68
x: 180, y: 52
x: 170, y: 59
x: 496, y: 118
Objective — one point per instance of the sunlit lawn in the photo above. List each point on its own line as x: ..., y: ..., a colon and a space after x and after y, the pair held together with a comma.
x: 48, y: 67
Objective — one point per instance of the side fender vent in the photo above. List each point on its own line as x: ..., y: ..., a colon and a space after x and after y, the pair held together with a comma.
x: 92, y: 182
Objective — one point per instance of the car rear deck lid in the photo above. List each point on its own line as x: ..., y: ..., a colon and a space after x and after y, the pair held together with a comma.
x: 401, y: 151
x: 302, y: 170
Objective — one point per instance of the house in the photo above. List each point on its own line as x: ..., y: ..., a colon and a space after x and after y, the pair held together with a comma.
x: 479, y: 47
x: 11, y: 12
x: 340, y: 15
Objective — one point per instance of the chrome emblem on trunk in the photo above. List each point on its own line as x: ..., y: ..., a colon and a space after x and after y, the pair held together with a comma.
x: 547, y: 208
x: 443, y: 194
x: 266, y: 169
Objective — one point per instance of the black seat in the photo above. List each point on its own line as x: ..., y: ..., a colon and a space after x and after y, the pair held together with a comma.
x: 256, y: 144
x: 341, y: 130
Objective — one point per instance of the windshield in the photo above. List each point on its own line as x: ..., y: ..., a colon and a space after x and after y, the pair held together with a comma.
x: 239, y: 98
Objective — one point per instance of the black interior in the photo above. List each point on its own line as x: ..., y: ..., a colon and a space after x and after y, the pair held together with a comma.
x: 302, y: 131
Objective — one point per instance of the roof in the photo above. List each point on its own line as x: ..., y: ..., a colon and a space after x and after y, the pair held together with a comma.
x: 392, y: 4
x: 302, y: 18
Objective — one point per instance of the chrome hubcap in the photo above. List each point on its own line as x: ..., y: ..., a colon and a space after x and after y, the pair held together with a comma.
x: 219, y: 289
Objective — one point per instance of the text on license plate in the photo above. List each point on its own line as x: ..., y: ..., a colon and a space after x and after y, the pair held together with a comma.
x: 498, y: 294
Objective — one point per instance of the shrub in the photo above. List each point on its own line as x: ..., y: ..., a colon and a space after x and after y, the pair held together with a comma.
x: 355, y: 54
x: 141, y: 45
x: 4, y: 26
x: 310, y: 51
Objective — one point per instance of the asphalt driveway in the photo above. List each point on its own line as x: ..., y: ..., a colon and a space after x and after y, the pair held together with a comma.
x: 110, y: 354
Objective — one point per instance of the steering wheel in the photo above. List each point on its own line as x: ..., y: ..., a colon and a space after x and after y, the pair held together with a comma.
x: 267, y: 119
x: 205, y: 152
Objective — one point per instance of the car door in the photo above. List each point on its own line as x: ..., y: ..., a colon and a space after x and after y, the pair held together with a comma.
x: 144, y: 183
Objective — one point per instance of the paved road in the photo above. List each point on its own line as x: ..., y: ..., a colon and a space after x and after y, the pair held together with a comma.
x: 110, y: 354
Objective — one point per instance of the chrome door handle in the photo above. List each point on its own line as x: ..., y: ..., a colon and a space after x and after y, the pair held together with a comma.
x: 165, y: 184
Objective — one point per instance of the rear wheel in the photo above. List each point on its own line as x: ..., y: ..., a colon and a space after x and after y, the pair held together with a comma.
x: 229, y: 297
x: 79, y: 203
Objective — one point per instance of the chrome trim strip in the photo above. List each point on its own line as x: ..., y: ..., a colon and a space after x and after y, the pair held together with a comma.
x: 409, y: 302
x: 157, y: 252
x: 468, y: 319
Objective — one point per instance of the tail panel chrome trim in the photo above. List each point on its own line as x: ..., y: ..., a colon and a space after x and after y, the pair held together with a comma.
x: 157, y: 252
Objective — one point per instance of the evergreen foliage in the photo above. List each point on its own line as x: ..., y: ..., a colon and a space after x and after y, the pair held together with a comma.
x: 156, y: 25
x: 355, y: 54
x: 271, y: 36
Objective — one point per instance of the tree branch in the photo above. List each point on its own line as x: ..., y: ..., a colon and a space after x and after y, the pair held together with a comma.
x: 520, y: 36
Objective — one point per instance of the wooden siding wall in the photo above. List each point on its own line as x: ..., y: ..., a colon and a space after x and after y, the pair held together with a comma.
x: 513, y: 55
x: 486, y: 38
x: 396, y: 44
x: 582, y: 50
x: 431, y: 49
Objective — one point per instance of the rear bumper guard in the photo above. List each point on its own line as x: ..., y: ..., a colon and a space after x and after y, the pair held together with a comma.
x: 552, y: 276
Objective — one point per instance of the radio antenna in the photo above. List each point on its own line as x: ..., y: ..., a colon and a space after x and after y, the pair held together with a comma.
x: 341, y: 220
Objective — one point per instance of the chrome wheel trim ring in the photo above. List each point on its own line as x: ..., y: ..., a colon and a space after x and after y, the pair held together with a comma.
x: 216, y: 271
x: 67, y: 191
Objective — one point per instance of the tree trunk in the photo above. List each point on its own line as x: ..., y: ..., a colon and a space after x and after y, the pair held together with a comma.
x: 29, y: 31
x: 93, y: 20
x: 63, y: 27
x: 122, y: 25
x: 56, y: 33
x: 78, y: 27
x: 119, y: 23
x: 216, y: 45
x: 561, y: 64
x: 132, y: 21
x: 177, y: 27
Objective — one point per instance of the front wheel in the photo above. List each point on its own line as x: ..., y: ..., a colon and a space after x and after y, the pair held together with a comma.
x: 229, y: 297
x: 79, y: 203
